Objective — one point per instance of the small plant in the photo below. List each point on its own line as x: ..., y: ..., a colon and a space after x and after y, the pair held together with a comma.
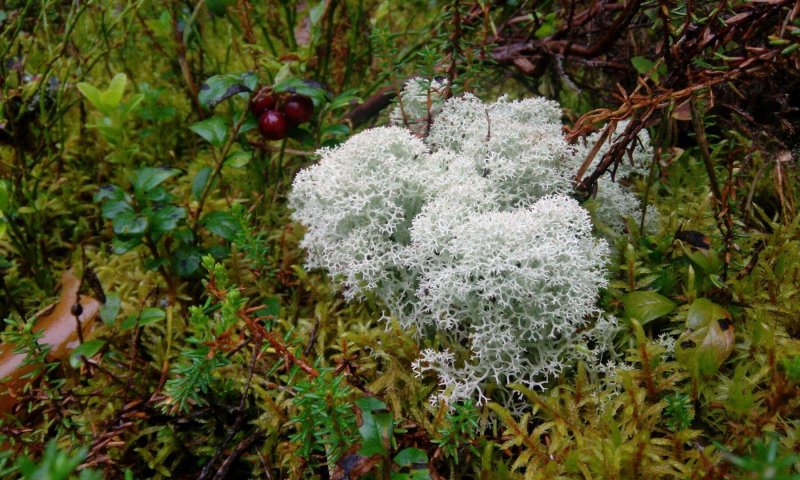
x: 213, y: 335
x: 57, y: 464
x: 151, y: 217
x: 765, y: 462
x: 460, y: 426
x: 325, y: 422
x: 116, y: 113
x: 678, y: 411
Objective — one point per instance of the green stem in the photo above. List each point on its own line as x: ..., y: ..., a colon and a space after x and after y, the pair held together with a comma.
x: 220, y: 159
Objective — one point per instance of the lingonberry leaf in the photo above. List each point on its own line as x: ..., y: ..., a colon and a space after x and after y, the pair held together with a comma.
x: 221, y: 87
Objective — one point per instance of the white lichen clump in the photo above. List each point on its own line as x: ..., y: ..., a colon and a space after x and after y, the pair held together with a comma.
x: 468, y: 232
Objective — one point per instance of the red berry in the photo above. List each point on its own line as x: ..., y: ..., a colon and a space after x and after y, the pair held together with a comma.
x: 272, y: 125
x: 262, y: 101
x: 298, y: 109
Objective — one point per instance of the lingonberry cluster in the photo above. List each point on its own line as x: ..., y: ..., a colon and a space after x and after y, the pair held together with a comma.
x: 277, y: 113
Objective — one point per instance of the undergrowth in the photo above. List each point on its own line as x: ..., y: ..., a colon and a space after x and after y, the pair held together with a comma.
x: 192, y: 341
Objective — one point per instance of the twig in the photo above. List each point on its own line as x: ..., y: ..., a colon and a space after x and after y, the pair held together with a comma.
x: 237, y: 452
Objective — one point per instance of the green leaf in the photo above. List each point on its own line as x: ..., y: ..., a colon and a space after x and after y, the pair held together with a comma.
x: 704, y: 350
x: 250, y: 123
x: 410, y: 456
x: 133, y: 103
x: 186, y: 260
x: 87, y: 349
x: 219, y: 252
x: 337, y: 130
x: 153, y: 264
x: 642, y: 64
x: 110, y: 309
x: 166, y: 219
x: 199, y: 182
x: 112, y: 96
x: 147, y: 178
x: 376, y: 427
x: 315, y: 13
x: 4, y: 196
x: 548, y: 26
x: 309, y: 89
x: 120, y: 246
x: 217, y: 7
x: 345, y: 99
x: 221, y: 223
x: 238, y: 159
x: 703, y: 311
x: 151, y: 315
x: 707, y: 259
x: 109, y: 192
x: 129, y: 322
x: 129, y: 223
x: 708, y: 339
x: 272, y: 307
x: 183, y: 235
x: 221, y: 87
x: 93, y: 95
x: 214, y: 130
x: 158, y: 194
x: 646, y: 306
x: 113, y: 208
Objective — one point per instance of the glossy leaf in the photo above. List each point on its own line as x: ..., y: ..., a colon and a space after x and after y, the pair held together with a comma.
x: 120, y: 246
x: 200, y: 181
x: 87, y: 349
x: 186, y: 260
x: 129, y: 223
x: 113, y: 208
x: 166, y: 219
x: 410, y: 456
x: 221, y: 87
x: 376, y: 427
x: 703, y: 311
x: 646, y: 306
